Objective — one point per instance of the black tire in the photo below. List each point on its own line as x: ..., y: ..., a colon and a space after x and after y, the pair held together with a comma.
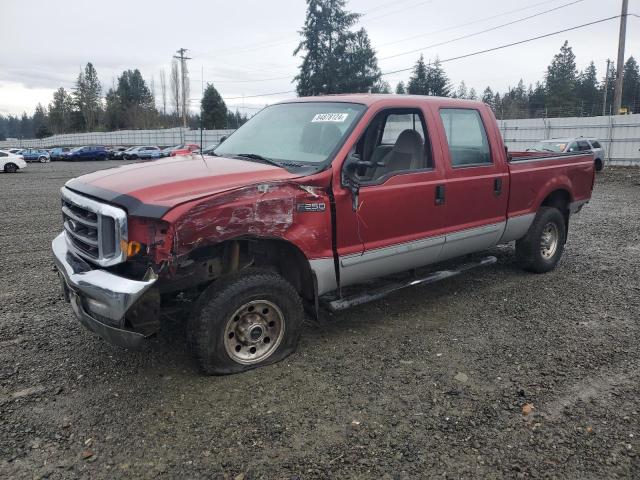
x: 599, y: 165
x: 10, y: 168
x: 219, y: 305
x: 42, y: 159
x: 531, y: 253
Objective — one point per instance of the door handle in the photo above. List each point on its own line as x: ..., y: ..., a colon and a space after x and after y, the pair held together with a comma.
x: 497, y: 186
x: 440, y: 191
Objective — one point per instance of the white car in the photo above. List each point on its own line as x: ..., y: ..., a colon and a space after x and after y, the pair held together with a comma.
x: 11, y: 163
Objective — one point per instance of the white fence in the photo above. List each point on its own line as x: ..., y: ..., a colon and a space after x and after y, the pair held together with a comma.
x: 160, y: 137
x: 618, y: 134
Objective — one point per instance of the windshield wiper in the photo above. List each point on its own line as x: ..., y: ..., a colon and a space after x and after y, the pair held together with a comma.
x: 255, y: 156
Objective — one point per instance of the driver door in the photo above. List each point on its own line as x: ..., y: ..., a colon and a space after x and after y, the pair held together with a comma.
x: 397, y: 221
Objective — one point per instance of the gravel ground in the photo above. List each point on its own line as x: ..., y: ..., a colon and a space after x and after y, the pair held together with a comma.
x: 496, y: 373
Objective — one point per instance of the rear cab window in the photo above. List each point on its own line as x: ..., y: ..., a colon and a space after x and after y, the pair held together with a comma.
x: 466, y: 137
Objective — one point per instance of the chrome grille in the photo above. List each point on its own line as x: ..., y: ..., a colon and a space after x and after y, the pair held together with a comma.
x: 94, y: 230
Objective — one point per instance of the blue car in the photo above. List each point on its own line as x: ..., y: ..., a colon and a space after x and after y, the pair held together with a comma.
x: 58, y: 153
x: 86, y: 153
x: 35, y: 155
x: 143, y: 153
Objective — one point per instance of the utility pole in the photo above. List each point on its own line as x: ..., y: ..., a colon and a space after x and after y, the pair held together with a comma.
x: 617, y: 97
x: 606, y: 89
x: 183, y: 59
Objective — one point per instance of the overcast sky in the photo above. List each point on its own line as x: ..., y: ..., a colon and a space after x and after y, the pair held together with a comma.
x: 245, y: 46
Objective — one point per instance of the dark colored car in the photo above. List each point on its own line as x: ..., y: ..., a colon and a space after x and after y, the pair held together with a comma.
x: 87, y: 153
x: 58, y: 153
x: 116, y: 153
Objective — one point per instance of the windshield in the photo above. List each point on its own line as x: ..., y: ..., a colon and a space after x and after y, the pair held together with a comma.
x: 77, y: 149
x: 557, y: 147
x: 294, y: 132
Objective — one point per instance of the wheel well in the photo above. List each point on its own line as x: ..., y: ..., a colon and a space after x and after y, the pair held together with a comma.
x: 559, y: 199
x: 276, y: 255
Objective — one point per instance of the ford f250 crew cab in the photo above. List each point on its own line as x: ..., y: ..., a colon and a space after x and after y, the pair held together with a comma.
x: 309, y: 197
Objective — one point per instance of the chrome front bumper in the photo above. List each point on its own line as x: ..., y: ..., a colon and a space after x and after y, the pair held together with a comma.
x: 99, y: 298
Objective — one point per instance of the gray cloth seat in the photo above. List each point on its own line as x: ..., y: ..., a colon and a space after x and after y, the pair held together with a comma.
x: 406, y: 154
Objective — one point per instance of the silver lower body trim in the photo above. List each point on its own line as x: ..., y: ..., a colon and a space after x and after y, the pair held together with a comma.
x: 517, y: 227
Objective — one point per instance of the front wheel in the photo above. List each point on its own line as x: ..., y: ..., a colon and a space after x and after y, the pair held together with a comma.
x: 247, y: 320
x: 10, y: 168
x: 541, y: 248
x: 43, y: 159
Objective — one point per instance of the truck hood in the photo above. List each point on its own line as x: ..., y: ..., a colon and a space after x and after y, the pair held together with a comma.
x: 153, y: 188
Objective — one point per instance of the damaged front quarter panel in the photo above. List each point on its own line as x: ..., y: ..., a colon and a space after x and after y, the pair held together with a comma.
x: 267, y: 210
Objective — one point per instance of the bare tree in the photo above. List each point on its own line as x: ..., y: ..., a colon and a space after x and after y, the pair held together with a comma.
x: 163, y: 90
x: 186, y: 89
x: 174, y: 78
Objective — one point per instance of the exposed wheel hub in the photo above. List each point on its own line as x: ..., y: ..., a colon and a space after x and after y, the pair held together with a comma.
x: 254, y: 332
x: 549, y: 240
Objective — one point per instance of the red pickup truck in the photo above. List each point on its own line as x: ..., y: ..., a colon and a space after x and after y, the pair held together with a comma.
x: 309, y: 197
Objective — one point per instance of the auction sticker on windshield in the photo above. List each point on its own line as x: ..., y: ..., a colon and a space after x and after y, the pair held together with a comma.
x: 329, y: 117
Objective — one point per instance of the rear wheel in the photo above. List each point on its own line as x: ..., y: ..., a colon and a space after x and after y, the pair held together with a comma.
x: 42, y: 159
x: 599, y: 165
x: 540, y: 250
x: 244, y: 321
x: 10, y: 168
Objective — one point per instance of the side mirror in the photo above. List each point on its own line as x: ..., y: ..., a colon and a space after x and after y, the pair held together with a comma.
x: 222, y: 139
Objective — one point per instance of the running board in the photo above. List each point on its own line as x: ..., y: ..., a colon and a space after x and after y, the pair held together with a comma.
x: 381, y: 292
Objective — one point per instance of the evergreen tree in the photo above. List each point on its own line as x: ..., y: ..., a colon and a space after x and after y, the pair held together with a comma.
x: 438, y: 81
x: 60, y: 110
x: 631, y: 85
x: 587, y: 91
x: 40, y: 122
x: 359, y: 73
x: 400, y: 90
x: 561, y: 81
x: 461, y: 92
x: 419, y: 81
x: 536, y: 99
x: 87, y: 95
x: 488, y: 98
x: 381, y: 87
x: 335, y: 60
x: 472, y: 94
x: 130, y: 104
x: 214, y: 110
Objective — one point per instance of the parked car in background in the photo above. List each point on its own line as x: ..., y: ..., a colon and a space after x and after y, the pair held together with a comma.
x: 115, y: 153
x: 166, y: 152
x: 14, y: 151
x: 208, y: 150
x: 35, y: 155
x: 142, y: 153
x: 10, y: 162
x: 185, y: 149
x: 87, y: 153
x: 58, y: 153
x: 571, y: 145
x: 121, y: 155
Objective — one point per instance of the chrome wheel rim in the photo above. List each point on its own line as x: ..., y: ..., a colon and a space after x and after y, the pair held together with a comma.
x: 254, y: 332
x: 549, y: 241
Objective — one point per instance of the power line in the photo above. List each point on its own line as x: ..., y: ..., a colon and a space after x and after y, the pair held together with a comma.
x: 511, y: 44
x: 482, y: 31
x: 406, y: 39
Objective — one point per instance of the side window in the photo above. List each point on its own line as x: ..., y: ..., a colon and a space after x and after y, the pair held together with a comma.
x: 573, y: 147
x: 397, y: 123
x: 595, y: 144
x: 395, y: 142
x: 583, y: 146
x: 466, y: 136
x: 2, y: 154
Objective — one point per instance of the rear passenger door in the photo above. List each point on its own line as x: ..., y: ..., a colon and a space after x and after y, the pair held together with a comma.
x: 476, y: 185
